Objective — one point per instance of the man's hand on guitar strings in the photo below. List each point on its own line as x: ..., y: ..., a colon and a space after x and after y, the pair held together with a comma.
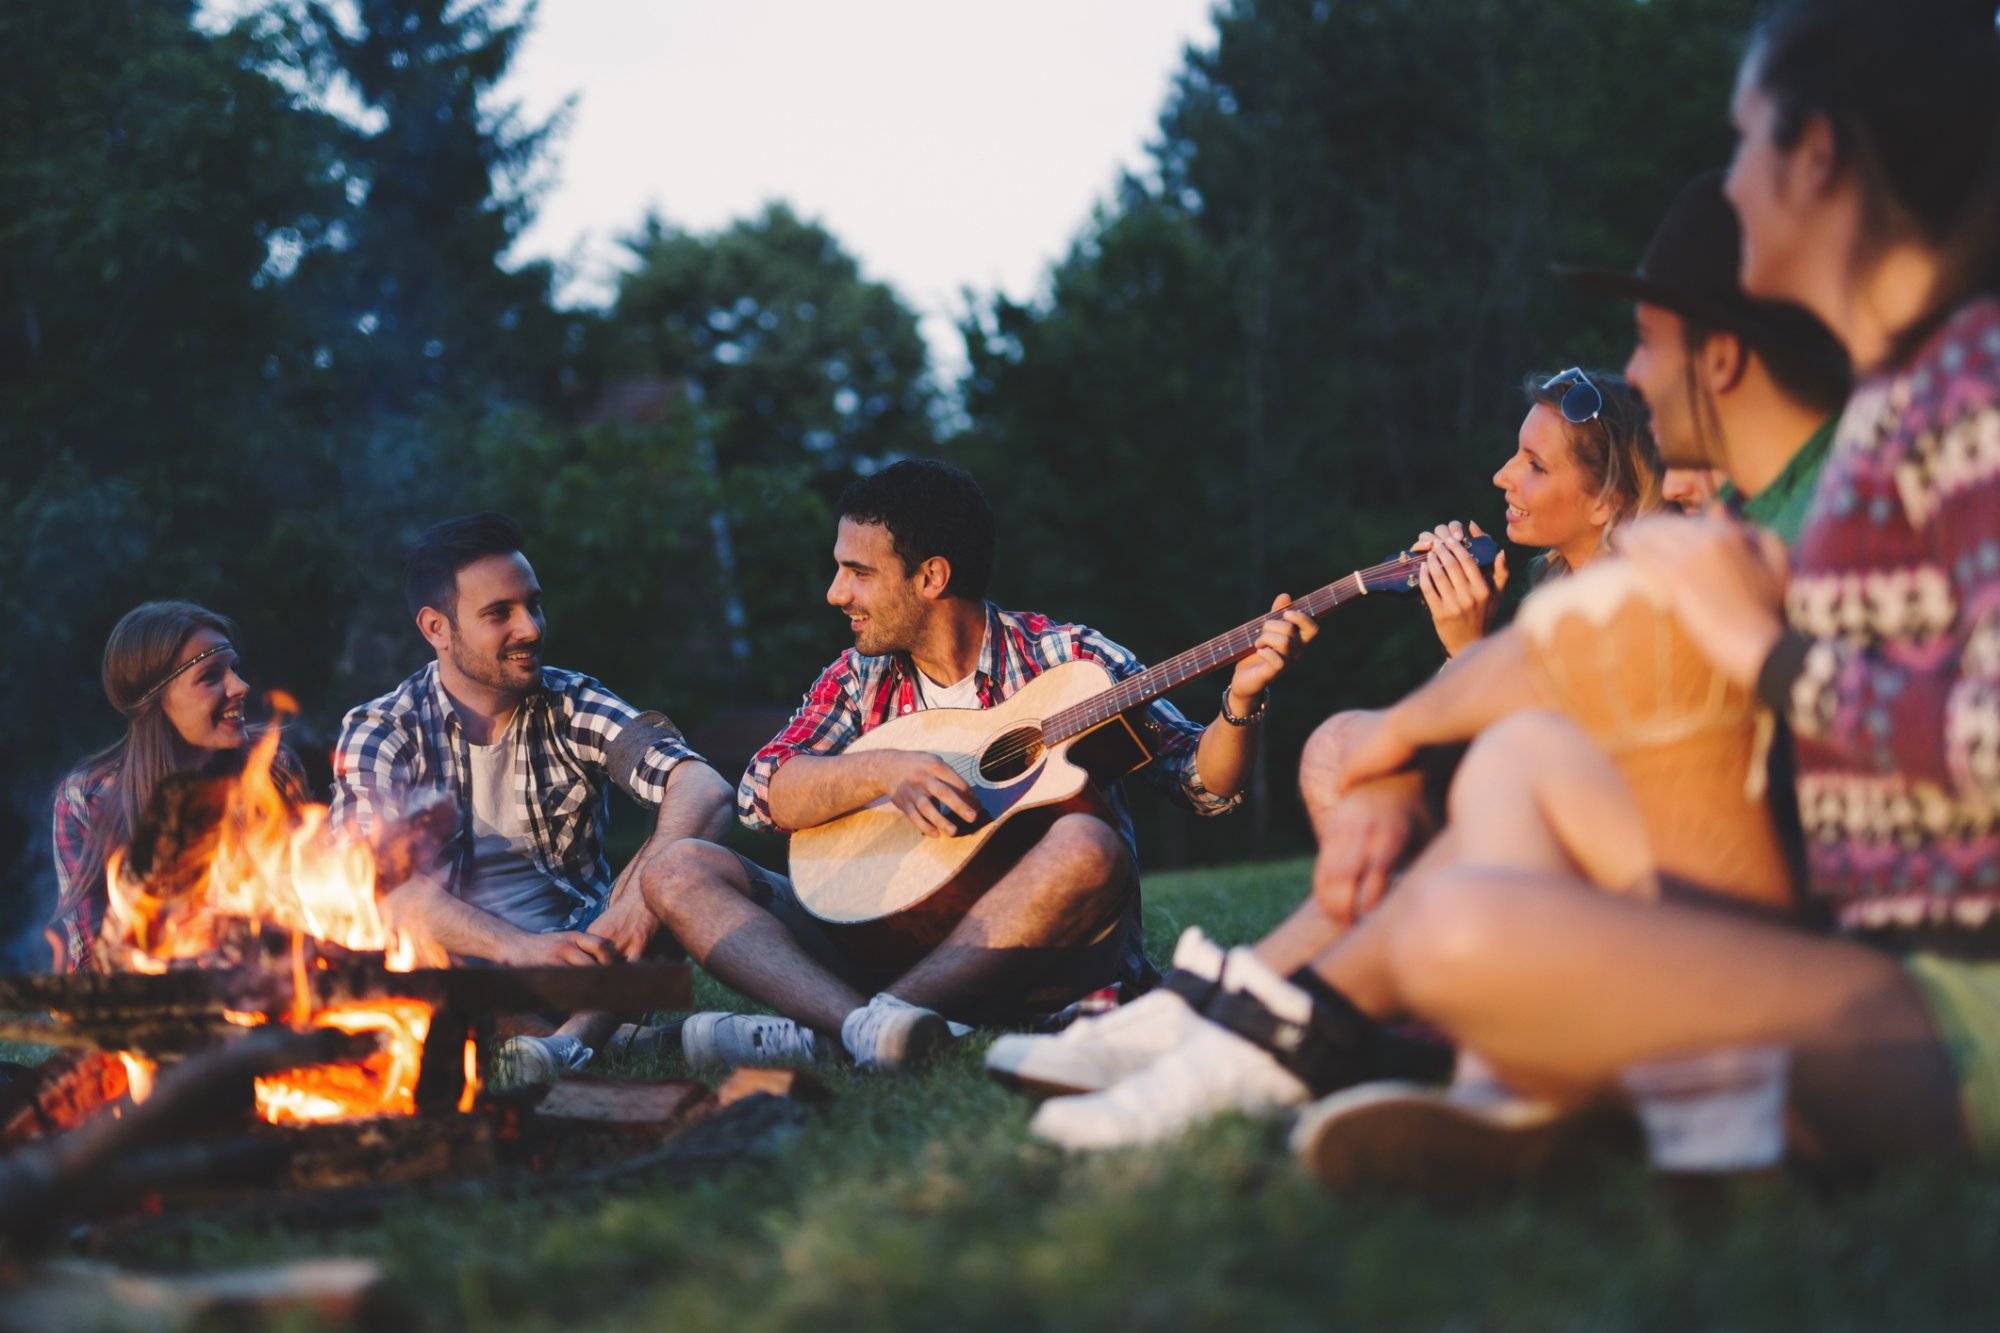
x: 1279, y: 642
x: 930, y: 792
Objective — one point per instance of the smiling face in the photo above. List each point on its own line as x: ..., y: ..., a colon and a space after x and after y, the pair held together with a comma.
x: 880, y: 599
x: 495, y: 638
x: 1550, y: 502
x: 205, y: 703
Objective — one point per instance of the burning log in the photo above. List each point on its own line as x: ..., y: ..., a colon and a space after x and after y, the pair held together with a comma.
x: 42, y: 1179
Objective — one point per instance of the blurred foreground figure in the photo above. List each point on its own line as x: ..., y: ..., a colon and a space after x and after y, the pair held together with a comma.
x: 1865, y: 181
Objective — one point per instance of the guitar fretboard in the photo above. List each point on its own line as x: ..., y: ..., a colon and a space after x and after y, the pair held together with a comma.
x: 1222, y: 650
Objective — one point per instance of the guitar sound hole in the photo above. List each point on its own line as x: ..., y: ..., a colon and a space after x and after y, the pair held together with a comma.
x: 1011, y: 754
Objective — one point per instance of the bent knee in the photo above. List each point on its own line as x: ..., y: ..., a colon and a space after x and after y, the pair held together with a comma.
x: 1521, y: 748
x: 689, y: 863
x: 1326, y: 750
x: 1451, y: 927
x: 1091, y: 850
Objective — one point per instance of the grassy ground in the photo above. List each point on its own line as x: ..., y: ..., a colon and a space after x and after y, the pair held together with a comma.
x: 921, y: 1202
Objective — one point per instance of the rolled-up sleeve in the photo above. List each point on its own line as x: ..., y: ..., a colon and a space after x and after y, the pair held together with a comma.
x: 636, y: 750
x: 827, y: 721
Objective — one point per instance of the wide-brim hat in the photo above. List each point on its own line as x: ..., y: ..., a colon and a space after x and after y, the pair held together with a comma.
x: 1690, y: 268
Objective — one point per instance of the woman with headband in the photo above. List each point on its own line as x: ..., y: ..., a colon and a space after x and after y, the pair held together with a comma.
x: 170, y: 669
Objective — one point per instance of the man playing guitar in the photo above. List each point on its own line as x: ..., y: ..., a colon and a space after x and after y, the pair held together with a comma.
x: 1056, y: 918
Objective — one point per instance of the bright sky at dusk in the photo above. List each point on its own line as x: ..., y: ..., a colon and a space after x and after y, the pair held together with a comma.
x: 947, y: 143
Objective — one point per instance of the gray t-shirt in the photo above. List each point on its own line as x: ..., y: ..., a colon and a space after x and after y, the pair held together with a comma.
x: 505, y: 879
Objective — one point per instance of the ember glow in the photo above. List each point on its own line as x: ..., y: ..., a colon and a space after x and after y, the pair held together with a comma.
x: 275, y: 866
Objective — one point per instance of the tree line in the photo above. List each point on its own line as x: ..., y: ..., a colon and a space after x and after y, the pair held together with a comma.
x: 259, y: 323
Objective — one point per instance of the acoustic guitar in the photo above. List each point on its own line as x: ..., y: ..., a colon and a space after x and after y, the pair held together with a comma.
x: 890, y: 892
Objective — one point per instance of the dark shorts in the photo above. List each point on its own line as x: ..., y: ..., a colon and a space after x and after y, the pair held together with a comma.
x: 1042, y: 988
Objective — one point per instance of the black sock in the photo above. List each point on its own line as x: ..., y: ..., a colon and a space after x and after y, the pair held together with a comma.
x: 1384, y: 1052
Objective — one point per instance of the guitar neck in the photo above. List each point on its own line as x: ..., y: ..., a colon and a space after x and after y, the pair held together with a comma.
x: 1222, y: 650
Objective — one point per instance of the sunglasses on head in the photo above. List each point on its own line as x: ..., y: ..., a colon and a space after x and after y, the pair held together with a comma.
x: 1581, y: 401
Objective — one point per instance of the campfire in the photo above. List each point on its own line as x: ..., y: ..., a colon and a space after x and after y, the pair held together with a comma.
x: 263, y: 1019
x: 229, y: 863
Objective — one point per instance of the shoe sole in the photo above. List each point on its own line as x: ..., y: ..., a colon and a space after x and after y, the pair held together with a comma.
x: 1415, y: 1139
x: 922, y: 1041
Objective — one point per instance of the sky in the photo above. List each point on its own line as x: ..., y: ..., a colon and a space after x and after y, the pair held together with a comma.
x: 947, y: 143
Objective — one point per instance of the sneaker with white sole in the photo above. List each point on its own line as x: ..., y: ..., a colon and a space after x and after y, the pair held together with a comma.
x: 888, y: 1034
x: 732, y: 1040
x: 1091, y: 1054
x: 1211, y: 1071
x: 526, y: 1061
x: 1467, y: 1139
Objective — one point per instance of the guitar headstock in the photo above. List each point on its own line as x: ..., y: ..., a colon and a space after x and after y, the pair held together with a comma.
x: 1398, y: 574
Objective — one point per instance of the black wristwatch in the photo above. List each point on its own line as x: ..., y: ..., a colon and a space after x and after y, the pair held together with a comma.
x: 1256, y: 713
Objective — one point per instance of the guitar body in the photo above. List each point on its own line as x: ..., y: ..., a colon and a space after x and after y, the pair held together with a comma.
x: 887, y: 889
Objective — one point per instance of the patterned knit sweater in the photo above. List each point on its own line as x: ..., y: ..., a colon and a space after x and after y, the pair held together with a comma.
x: 1890, y: 672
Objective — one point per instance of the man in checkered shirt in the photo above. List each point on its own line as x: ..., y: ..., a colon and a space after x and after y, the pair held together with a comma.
x: 528, y: 755
x: 912, y: 555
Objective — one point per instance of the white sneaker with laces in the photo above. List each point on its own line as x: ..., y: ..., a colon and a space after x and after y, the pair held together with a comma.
x: 1091, y: 1054
x: 888, y: 1034
x: 526, y: 1061
x: 726, y: 1039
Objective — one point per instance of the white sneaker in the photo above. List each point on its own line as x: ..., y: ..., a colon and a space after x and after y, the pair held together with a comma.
x: 747, y: 1039
x: 1209, y: 1072
x: 526, y: 1061
x: 888, y: 1034
x: 1465, y: 1139
x: 1091, y: 1054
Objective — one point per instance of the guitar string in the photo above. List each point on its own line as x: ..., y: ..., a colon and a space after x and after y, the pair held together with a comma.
x: 1216, y: 651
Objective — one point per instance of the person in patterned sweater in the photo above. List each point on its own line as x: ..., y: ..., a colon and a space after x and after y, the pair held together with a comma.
x: 1867, y: 182
x: 912, y: 554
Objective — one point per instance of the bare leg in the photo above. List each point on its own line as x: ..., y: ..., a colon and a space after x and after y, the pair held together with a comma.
x: 1535, y: 793
x: 1066, y: 886
x: 1562, y: 986
x: 702, y: 894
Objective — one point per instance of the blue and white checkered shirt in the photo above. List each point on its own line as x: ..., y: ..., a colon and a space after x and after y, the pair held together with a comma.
x: 578, y: 740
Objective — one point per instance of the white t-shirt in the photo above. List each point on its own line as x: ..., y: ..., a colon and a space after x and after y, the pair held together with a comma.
x: 965, y: 694
x: 505, y: 879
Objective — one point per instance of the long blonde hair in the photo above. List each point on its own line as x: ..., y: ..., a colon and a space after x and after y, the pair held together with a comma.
x: 1614, y: 450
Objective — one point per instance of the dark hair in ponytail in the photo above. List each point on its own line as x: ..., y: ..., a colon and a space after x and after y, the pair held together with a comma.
x: 1911, y: 89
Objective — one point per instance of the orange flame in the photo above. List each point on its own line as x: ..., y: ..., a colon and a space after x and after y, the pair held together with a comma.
x: 270, y: 863
x: 275, y: 864
x: 139, y: 1073
x: 384, y: 1083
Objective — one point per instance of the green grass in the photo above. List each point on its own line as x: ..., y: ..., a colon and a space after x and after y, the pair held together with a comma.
x: 921, y: 1202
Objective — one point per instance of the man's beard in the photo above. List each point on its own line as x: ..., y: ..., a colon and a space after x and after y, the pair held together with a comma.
x: 493, y: 671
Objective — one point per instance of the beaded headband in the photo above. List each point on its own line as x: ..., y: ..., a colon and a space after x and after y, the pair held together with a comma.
x: 168, y: 679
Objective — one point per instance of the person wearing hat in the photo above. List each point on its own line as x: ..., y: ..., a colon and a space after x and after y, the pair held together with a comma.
x: 1747, y: 388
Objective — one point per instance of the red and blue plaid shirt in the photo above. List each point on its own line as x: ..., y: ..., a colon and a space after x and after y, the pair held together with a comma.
x: 857, y: 694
